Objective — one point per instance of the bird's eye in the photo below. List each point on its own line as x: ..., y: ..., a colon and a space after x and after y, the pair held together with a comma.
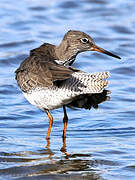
x: 84, y: 40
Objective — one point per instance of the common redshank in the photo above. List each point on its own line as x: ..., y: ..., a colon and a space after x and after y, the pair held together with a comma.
x: 48, y: 80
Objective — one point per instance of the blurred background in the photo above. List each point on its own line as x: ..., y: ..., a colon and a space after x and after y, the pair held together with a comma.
x: 100, y: 143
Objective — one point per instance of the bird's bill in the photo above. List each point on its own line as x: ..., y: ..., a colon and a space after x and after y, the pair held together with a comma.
x: 96, y: 48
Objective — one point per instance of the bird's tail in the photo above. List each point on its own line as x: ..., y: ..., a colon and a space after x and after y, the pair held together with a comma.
x: 87, y: 101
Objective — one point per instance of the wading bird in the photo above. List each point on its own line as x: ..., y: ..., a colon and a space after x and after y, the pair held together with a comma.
x: 48, y: 80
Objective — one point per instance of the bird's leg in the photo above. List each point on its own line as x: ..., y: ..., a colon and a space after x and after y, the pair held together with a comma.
x: 65, y: 121
x: 50, y: 123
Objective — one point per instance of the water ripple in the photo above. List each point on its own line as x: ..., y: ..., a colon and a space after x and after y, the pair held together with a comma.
x: 100, y: 143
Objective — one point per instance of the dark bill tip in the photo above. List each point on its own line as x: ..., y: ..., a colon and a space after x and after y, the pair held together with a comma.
x: 96, y: 48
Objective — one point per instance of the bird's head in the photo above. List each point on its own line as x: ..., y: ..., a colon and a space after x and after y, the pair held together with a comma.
x: 75, y: 42
x: 80, y: 42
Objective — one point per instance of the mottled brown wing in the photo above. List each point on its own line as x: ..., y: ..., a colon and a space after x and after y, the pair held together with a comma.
x: 38, y: 72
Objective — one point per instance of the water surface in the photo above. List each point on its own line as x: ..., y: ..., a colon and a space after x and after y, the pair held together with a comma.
x: 100, y: 143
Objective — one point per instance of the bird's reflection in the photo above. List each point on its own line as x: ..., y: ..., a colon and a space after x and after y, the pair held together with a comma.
x: 63, y: 148
x: 48, y: 150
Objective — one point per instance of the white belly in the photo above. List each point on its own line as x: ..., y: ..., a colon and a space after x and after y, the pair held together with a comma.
x: 49, y: 98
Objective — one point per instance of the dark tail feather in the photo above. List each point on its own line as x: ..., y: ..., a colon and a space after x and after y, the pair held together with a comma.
x: 87, y: 101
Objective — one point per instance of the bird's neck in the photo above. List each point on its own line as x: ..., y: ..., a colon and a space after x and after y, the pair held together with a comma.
x: 65, y: 53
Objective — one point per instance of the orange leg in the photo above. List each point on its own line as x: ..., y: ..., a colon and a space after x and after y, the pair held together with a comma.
x: 65, y: 122
x: 50, y: 123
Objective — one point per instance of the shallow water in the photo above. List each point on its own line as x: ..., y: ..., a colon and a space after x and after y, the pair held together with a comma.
x: 100, y: 144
